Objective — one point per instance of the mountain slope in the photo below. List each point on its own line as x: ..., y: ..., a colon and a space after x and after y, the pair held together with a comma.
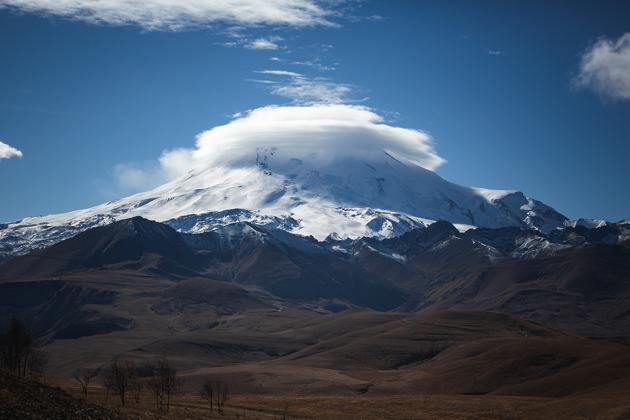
x: 269, y: 262
x: 579, y: 288
x: 585, y: 291
x: 129, y: 244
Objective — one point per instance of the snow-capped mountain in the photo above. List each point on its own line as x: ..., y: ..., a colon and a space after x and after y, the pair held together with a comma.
x: 370, y: 193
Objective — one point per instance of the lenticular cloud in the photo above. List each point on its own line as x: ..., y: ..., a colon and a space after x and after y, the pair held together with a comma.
x: 302, y: 132
x: 181, y: 14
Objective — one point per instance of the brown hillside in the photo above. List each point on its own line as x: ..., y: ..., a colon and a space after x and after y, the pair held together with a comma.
x: 25, y: 399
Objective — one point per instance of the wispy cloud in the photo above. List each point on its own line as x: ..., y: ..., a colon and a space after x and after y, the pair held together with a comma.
x: 494, y: 52
x: 305, y: 90
x: 316, y: 90
x: 281, y: 73
x: 314, y: 64
x: 7, y: 152
x: 176, y: 15
x: 133, y: 177
x: 605, y: 68
x: 265, y: 82
x: 270, y: 43
x: 318, y: 57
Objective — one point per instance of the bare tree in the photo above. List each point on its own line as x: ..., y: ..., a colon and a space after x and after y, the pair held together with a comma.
x: 18, y: 350
x: 108, y: 384
x: 36, y: 363
x: 119, y: 377
x: 216, y: 393
x: 135, y: 387
x: 285, y: 411
x: 165, y: 383
x: 84, y: 377
x: 207, y: 392
x: 16, y: 345
x: 155, y: 385
x: 222, y: 394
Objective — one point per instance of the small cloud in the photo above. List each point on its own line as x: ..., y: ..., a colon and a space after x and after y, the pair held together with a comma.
x: 275, y: 59
x: 229, y: 44
x: 280, y: 73
x: 605, y: 68
x: 7, y: 152
x: 494, y: 52
x: 264, y: 43
x: 266, y: 82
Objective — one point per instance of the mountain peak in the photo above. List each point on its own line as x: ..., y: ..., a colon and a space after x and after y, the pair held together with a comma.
x: 371, y: 194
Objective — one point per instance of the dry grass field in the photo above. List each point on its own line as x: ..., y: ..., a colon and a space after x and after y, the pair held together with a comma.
x: 370, y: 407
x: 363, y: 364
x: 289, y: 363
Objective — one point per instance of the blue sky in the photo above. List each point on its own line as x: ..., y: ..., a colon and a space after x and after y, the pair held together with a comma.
x: 525, y: 95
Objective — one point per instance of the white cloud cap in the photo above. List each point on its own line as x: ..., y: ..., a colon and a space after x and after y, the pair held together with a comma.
x: 605, y: 68
x: 7, y: 152
x: 302, y: 132
x: 320, y: 131
x: 176, y: 15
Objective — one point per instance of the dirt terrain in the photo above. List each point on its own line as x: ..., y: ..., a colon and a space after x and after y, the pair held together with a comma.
x: 355, y: 364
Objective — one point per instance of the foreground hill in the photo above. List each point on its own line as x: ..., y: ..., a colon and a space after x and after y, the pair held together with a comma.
x: 25, y: 399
